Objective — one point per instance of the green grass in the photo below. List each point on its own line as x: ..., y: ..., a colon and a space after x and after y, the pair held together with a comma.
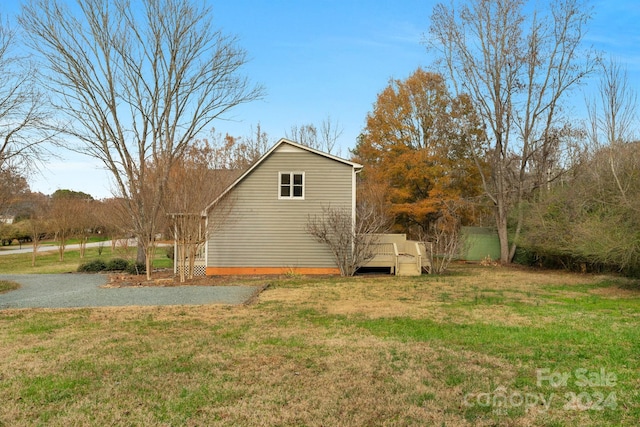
x: 6, y: 286
x: 481, y: 347
x: 48, y: 262
x: 73, y: 241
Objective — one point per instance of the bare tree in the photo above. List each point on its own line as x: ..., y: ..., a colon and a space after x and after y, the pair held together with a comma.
x: 189, y: 231
x: 86, y: 222
x: 323, y: 139
x: 593, y: 222
x: 253, y: 146
x: 13, y: 187
x: 516, y: 68
x: 349, y: 239
x: 138, y: 83
x: 76, y: 216
x: 305, y: 135
x: 112, y: 219
x: 613, y: 111
x: 442, y: 239
x: 613, y: 117
x: 192, y: 187
x: 38, y: 223
x: 230, y: 152
x: 330, y: 132
x: 22, y: 107
x: 62, y: 221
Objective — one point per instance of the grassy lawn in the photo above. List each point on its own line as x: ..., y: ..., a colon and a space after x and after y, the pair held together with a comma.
x: 479, y: 346
x: 47, y: 260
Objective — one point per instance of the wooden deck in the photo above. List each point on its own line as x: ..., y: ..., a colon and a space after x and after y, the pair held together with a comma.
x: 403, y: 257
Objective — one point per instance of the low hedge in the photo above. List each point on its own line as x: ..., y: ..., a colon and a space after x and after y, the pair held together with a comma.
x: 115, y: 264
x: 94, y: 266
x: 136, y: 268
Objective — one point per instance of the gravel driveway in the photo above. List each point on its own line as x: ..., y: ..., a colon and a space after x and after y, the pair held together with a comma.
x: 83, y: 290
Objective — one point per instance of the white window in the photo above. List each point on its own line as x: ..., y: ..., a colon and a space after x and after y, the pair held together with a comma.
x: 291, y: 185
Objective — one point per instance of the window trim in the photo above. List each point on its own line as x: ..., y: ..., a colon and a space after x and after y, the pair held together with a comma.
x: 291, y: 177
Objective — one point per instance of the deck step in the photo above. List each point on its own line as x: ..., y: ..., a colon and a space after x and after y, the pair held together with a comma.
x: 407, y: 270
x: 407, y: 266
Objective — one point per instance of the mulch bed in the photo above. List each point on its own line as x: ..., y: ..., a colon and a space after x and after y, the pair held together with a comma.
x: 165, y: 278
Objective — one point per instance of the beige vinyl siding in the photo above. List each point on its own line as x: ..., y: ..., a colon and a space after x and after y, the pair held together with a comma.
x: 266, y: 231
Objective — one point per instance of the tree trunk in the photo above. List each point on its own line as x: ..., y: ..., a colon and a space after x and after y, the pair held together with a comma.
x: 34, y: 252
x: 83, y: 246
x: 181, y: 260
x: 503, y: 232
x: 516, y: 234
x: 149, y: 259
x: 141, y: 257
x: 193, y: 250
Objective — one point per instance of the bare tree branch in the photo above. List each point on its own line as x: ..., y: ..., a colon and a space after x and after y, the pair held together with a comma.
x: 516, y: 68
x: 23, y: 112
x: 349, y: 239
x: 137, y: 83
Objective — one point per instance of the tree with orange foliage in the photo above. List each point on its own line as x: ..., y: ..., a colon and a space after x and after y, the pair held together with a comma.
x: 416, y: 145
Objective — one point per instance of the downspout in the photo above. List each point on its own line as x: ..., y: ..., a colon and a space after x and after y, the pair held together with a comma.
x: 353, y: 206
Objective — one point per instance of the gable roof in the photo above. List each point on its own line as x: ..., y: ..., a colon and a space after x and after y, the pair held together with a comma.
x: 280, y: 143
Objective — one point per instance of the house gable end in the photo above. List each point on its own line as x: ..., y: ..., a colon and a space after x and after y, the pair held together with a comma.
x: 283, y: 146
x: 271, y: 204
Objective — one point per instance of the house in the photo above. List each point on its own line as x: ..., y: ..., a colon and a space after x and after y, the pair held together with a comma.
x: 257, y: 225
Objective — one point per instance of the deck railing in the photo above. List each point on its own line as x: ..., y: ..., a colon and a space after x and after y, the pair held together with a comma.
x: 385, y: 254
x: 388, y: 249
x: 413, y: 249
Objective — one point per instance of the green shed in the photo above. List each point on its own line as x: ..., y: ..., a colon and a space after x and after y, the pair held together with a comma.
x: 479, y: 242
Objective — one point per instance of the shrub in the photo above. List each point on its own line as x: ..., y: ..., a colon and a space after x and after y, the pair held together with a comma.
x: 8, y: 285
x: 93, y: 266
x: 117, y: 264
x: 136, y: 268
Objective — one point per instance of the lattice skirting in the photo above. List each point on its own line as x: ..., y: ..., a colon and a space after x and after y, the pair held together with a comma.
x: 198, y: 270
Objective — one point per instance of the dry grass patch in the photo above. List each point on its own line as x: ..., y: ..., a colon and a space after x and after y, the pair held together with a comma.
x: 323, y: 351
x: 626, y: 290
x: 469, y: 294
x: 208, y: 365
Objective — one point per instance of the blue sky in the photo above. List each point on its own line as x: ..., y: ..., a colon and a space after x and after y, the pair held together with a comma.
x: 331, y: 58
x: 321, y: 59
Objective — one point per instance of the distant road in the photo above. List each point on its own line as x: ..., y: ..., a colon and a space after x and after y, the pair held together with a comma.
x: 53, y: 248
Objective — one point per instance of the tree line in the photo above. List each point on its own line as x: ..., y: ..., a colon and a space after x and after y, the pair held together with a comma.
x: 486, y: 138
x: 206, y: 168
x: 482, y: 137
